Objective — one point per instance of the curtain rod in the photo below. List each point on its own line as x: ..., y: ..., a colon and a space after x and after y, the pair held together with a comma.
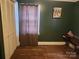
x: 30, y: 3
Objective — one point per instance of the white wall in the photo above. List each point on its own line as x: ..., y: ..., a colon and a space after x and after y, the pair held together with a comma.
x: 8, y: 23
x: 17, y: 22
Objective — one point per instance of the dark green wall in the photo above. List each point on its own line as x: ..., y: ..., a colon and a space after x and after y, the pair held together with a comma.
x: 52, y: 29
x: 76, y: 20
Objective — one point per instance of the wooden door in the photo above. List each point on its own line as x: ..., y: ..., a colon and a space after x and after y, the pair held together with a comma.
x: 28, y: 29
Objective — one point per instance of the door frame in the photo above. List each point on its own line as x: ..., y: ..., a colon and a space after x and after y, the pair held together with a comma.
x: 2, y: 54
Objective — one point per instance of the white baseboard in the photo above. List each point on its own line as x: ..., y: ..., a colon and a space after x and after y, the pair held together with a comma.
x: 51, y: 43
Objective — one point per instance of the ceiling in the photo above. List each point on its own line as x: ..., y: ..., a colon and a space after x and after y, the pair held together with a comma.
x: 66, y: 0
x: 60, y: 0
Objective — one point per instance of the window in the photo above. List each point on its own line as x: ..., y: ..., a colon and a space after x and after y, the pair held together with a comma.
x: 30, y: 19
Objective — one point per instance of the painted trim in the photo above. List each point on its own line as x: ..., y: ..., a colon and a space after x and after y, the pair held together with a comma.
x: 65, y: 0
x: 39, y: 19
x: 51, y: 43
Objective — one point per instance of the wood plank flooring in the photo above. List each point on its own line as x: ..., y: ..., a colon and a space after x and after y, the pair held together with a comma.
x: 44, y: 52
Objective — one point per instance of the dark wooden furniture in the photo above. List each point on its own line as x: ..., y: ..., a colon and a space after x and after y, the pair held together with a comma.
x: 74, y: 40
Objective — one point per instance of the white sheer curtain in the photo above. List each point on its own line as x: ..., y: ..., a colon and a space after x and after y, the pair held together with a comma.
x: 29, y: 19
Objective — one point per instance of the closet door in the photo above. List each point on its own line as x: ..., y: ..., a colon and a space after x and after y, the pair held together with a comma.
x: 28, y: 25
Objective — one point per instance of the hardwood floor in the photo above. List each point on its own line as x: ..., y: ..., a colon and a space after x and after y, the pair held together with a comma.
x: 44, y: 52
